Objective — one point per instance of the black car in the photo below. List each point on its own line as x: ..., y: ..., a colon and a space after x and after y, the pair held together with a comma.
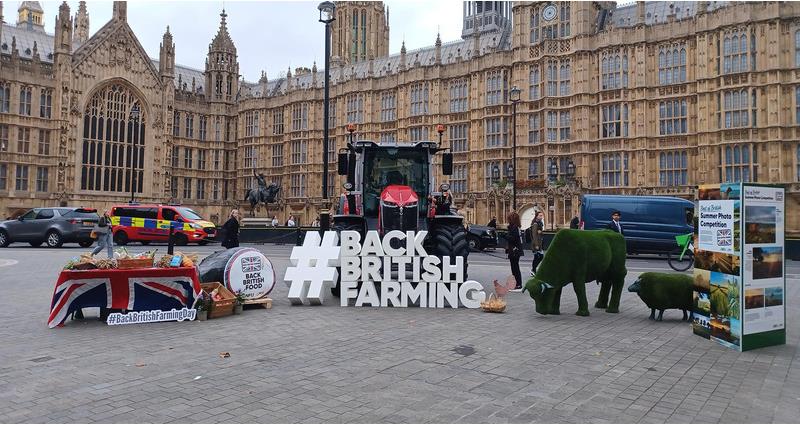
x: 53, y: 226
x: 481, y: 237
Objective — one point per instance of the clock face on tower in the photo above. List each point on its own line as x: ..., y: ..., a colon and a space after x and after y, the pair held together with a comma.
x: 549, y: 13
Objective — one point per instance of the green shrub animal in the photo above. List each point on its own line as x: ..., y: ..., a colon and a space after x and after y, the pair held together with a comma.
x: 578, y: 257
x: 660, y: 291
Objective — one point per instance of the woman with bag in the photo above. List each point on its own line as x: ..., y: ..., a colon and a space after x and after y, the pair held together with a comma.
x: 537, y: 226
x: 231, y: 230
x: 105, y: 238
x: 514, y: 246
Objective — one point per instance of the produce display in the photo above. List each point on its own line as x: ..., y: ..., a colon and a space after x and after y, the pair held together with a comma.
x: 169, y: 260
x: 121, y: 255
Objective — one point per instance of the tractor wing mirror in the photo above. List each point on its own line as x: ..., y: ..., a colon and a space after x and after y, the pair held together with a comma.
x: 447, y: 164
x: 342, y: 163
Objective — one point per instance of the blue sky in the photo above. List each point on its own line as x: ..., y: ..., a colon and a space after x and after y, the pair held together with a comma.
x: 269, y: 35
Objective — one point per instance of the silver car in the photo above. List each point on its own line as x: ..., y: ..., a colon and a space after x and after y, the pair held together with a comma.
x: 53, y: 226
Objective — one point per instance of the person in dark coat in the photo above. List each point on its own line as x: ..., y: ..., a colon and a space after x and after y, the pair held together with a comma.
x: 537, y: 228
x: 575, y: 223
x: 492, y: 223
x: 231, y: 230
x: 615, y: 224
x: 514, y: 246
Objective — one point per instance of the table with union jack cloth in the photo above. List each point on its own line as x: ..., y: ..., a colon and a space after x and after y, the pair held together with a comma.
x: 130, y: 289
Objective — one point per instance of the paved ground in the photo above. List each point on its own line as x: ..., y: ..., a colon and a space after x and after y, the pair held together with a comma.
x: 332, y: 364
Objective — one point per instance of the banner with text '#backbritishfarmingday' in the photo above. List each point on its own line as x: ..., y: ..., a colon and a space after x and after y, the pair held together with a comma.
x: 739, y: 265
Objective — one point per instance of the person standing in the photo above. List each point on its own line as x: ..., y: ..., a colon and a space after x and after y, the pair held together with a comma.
x: 291, y: 222
x: 274, y: 221
x: 493, y: 222
x: 615, y: 224
x: 231, y: 230
x: 575, y: 223
x: 514, y: 246
x: 105, y: 237
x: 537, y: 228
x: 315, y: 223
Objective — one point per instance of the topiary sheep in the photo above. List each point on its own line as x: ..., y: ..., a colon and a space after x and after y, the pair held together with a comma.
x: 664, y: 291
x: 578, y: 257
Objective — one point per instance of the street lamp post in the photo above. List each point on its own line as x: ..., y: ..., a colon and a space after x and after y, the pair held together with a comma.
x: 515, y: 97
x: 327, y: 14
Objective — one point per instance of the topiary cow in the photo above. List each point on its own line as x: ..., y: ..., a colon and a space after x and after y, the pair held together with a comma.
x: 660, y: 291
x: 578, y: 257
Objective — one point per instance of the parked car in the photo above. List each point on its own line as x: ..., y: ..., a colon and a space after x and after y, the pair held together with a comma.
x: 51, y: 225
x: 650, y: 223
x: 481, y: 237
x: 202, y: 231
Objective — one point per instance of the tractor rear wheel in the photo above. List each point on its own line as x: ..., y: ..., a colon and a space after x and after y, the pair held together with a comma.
x: 450, y: 239
x: 339, y: 227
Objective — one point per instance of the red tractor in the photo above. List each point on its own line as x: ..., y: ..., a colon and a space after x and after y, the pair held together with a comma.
x: 391, y: 186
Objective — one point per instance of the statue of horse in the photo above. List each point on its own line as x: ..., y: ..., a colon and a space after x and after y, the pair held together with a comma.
x: 266, y: 194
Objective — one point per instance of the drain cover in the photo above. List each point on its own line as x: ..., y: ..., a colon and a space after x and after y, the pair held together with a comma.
x: 464, y: 350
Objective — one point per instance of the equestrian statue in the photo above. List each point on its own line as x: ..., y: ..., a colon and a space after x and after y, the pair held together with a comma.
x: 266, y: 194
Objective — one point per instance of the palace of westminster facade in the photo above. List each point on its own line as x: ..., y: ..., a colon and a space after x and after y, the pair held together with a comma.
x: 646, y: 98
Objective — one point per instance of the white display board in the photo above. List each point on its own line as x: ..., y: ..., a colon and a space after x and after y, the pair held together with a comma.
x: 764, y: 266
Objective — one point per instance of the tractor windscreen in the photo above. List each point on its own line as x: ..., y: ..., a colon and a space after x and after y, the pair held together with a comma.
x: 393, y: 166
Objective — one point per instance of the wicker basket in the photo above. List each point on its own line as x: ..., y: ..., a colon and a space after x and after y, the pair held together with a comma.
x: 493, y: 304
x: 220, y: 308
x: 135, y: 263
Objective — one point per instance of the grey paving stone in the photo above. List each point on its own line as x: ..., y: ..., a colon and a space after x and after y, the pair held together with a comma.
x: 330, y: 364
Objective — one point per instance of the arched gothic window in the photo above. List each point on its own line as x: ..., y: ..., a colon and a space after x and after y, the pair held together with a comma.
x: 113, y: 141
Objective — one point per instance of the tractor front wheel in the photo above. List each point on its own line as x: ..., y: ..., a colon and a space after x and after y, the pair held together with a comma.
x: 339, y: 227
x: 450, y: 239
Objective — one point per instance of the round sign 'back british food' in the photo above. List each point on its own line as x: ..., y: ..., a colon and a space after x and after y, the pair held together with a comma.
x: 250, y: 272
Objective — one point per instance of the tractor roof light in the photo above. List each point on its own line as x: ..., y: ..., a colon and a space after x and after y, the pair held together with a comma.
x: 440, y: 128
x: 351, y: 127
x: 444, y: 187
x: 347, y: 186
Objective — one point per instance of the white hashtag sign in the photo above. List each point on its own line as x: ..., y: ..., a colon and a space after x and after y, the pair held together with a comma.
x: 313, y: 271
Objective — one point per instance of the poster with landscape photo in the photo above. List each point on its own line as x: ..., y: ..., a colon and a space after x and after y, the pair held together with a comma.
x: 767, y: 262
x: 760, y: 225
x: 725, y: 309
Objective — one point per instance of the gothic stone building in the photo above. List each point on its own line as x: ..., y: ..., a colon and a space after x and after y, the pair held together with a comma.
x: 647, y: 98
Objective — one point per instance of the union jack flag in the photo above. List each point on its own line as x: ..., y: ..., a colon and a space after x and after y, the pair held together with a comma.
x: 131, y: 290
x: 251, y: 264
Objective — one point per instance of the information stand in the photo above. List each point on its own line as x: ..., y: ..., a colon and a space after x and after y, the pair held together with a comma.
x: 739, y: 279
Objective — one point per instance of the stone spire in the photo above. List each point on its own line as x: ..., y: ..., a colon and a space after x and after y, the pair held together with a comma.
x: 262, y: 82
x: 222, y: 66
x: 63, y: 35
x: 403, y: 56
x: 82, y: 23
x: 314, y: 74
x: 166, y: 56
x: 222, y: 41
x: 438, y: 49
x: 120, y: 11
